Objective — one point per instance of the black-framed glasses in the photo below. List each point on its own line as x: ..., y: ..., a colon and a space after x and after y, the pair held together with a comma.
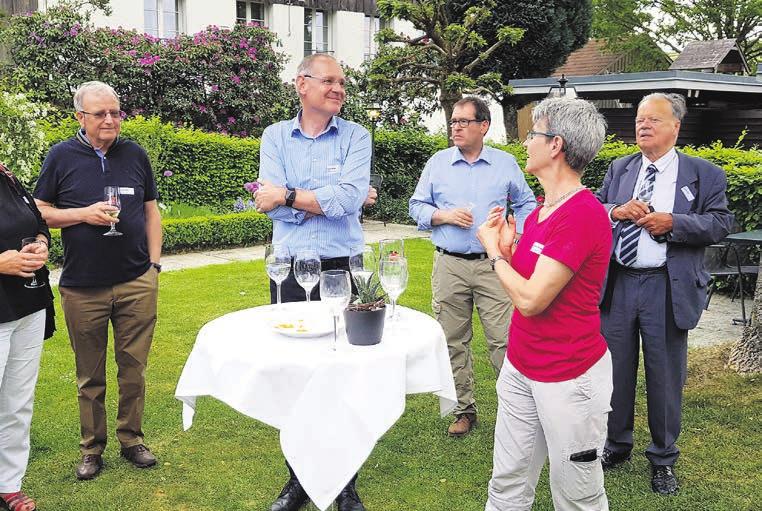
x: 100, y: 116
x: 548, y: 134
x: 463, y: 123
x: 329, y: 82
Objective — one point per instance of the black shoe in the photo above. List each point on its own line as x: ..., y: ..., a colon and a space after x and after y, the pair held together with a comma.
x: 91, y: 466
x: 348, y: 499
x: 664, y: 480
x: 611, y: 459
x: 291, y: 498
x: 139, y: 455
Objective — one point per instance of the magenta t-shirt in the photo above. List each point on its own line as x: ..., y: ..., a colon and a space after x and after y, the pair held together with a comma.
x: 565, y: 340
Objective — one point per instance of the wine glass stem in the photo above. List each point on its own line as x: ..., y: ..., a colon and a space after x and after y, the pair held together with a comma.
x: 307, y: 294
x: 335, y: 322
x: 394, y: 308
x: 112, y: 227
x: 277, y: 293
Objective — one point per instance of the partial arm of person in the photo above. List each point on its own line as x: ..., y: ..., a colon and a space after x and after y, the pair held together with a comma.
x: 422, y: 208
x: 94, y: 214
x: 271, y: 196
x: 153, y: 230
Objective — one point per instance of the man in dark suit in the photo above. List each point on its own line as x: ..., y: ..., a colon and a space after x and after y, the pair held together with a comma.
x: 665, y: 207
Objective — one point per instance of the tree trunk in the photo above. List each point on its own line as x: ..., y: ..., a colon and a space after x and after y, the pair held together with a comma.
x: 746, y: 355
x: 511, y: 122
x: 448, y: 100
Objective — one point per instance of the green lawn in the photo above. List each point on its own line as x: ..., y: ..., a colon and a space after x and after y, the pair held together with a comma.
x: 229, y: 461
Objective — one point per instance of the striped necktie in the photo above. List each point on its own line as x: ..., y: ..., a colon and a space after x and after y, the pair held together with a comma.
x: 630, y: 233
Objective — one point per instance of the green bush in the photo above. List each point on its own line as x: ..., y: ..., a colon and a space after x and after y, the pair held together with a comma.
x: 184, y: 234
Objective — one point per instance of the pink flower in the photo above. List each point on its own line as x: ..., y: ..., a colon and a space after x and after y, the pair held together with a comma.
x: 168, y: 173
x: 252, y: 187
x: 236, y: 79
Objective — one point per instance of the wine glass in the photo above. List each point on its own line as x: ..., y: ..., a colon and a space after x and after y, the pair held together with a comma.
x: 307, y: 270
x: 33, y: 284
x: 362, y: 263
x: 278, y: 265
x: 393, y: 275
x: 111, y: 197
x: 335, y: 291
x: 391, y: 248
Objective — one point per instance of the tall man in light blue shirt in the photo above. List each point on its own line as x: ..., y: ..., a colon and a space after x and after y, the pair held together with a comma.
x: 458, y: 187
x: 314, y: 173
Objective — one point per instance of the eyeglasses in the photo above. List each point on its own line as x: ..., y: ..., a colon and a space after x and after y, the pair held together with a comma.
x: 548, y: 134
x: 463, y: 123
x: 100, y: 116
x: 328, y: 82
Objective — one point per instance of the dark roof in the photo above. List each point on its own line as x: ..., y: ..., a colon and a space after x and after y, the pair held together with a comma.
x: 708, y: 55
x: 588, y: 60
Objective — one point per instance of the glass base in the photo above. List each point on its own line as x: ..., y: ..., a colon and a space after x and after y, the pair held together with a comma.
x: 35, y: 285
x: 113, y: 233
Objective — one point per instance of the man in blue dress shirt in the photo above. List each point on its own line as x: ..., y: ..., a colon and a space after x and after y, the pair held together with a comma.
x: 314, y: 173
x: 458, y: 187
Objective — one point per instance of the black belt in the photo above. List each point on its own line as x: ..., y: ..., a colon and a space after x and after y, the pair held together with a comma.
x: 639, y: 271
x: 469, y: 257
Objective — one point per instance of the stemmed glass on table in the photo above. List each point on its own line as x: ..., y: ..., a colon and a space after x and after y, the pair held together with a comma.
x: 335, y: 291
x: 391, y: 248
x: 392, y: 271
x: 33, y: 283
x: 111, y: 197
x: 307, y: 270
x: 362, y: 263
x: 278, y: 265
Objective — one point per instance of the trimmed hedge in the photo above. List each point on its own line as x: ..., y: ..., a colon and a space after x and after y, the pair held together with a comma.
x: 184, y: 234
x: 209, y: 169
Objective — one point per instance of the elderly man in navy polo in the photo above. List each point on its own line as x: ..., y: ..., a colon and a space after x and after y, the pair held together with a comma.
x: 315, y: 175
x: 458, y: 187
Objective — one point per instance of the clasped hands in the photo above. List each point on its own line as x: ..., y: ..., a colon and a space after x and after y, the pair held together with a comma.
x: 24, y: 262
x: 497, y: 234
x: 638, y: 212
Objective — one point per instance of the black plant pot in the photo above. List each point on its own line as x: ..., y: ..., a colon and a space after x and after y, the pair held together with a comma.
x: 364, y: 328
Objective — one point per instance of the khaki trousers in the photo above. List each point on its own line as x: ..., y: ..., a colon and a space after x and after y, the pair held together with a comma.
x: 457, y: 285
x: 131, y: 308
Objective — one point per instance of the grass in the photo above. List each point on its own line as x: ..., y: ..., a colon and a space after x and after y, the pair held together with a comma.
x: 229, y: 461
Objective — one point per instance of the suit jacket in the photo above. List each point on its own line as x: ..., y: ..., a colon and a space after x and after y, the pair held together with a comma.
x: 695, y: 224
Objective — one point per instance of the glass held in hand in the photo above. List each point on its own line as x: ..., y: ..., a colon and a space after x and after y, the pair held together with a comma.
x: 362, y: 263
x: 393, y: 275
x: 335, y: 292
x: 33, y: 283
x: 111, y: 197
x: 307, y: 270
x: 391, y: 248
x: 277, y: 264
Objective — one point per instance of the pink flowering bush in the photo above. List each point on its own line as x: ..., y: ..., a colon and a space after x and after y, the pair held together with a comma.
x: 221, y: 80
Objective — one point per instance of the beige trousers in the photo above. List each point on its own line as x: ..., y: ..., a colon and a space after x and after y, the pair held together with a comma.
x: 457, y: 285
x: 131, y: 308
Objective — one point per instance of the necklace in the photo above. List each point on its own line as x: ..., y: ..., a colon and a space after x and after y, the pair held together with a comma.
x: 570, y: 192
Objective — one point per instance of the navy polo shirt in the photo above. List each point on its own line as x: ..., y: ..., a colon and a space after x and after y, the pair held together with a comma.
x: 74, y: 176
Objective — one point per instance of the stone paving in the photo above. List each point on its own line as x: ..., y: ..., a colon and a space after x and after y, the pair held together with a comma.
x: 716, y: 324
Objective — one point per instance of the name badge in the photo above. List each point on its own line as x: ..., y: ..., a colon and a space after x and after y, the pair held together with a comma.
x: 687, y: 192
x: 537, y: 248
x: 332, y: 169
x: 126, y: 190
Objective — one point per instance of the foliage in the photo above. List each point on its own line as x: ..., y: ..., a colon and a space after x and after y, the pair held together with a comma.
x: 433, y: 63
x: 673, y: 23
x: 224, y: 80
x: 22, y: 140
x: 181, y: 210
x: 370, y: 294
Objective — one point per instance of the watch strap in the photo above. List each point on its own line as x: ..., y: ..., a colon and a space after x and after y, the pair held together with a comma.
x: 290, y: 197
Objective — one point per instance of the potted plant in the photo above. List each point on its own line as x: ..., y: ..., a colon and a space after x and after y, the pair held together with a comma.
x: 364, y: 316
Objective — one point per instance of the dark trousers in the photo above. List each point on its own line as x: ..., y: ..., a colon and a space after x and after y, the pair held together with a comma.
x: 640, y: 307
x: 291, y: 291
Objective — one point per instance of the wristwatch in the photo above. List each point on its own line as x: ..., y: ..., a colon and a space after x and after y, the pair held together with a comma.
x: 496, y: 259
x: 290, y: 197
x: 157, y: 266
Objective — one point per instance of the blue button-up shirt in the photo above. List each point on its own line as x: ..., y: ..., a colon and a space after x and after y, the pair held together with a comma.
x: 449, y: 181
x: 335, y: 165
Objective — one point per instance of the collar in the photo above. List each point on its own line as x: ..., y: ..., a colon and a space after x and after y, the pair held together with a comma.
x: 662, y: 163
x: 82, y: 138
x: 296, y: 126
x: 484, y: 156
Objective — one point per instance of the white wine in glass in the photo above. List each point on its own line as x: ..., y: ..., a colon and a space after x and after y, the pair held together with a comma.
x: 111, y: 197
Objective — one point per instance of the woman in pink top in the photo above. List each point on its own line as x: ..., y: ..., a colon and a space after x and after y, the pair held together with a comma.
x: 554, y: 390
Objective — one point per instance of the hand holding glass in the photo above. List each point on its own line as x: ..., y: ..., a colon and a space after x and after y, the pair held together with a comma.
x: 393, y: 276
x: 335, y: 291
x: 111, y: 197
x: 307, y: 270
x: 33, y: 283
x: 278, y: 265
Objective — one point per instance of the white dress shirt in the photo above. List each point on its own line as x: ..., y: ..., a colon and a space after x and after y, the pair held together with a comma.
x: 650, y: 253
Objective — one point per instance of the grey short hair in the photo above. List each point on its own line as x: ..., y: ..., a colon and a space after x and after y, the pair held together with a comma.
x: 305, y: 66
x: 679, y: 109
x: 92, y: 87
x: 578, y: 123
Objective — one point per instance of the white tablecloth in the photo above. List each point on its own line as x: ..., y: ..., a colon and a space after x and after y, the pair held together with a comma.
x: 331, y: 407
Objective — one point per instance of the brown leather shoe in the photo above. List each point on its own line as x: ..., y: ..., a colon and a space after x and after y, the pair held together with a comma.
x: 463, y: 425
x: 91, y: 466
x: 139, y: 455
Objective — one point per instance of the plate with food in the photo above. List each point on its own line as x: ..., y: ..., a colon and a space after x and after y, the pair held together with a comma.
x: 303, y: 327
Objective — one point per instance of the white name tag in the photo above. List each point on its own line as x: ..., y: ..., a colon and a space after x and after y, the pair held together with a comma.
x: 537, y: 248
x: 332, y: 169
x: 687, y: 192
x: 126, y: 190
